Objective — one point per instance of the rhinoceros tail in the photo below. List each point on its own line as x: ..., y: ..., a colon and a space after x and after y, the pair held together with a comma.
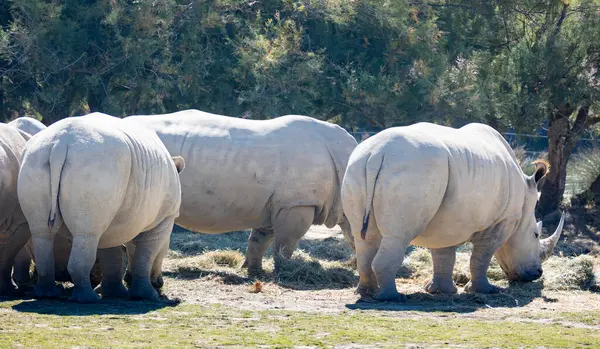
x: 58, y: 156
x: 374, y: 164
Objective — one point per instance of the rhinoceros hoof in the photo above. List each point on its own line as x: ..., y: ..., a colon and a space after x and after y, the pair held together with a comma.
x: 47, y: 291
x: 485, y: 288
x: 84, y: 295
x: 387, y: 295
x: 143, y: 293
x: 113, y: 291
x: 158, y: 283
x: 437, y: 287
x: 365, y: 291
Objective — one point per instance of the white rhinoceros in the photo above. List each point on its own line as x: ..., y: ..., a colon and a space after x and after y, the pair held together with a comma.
x: 23, y: 258
x: 276, y: 176
x: 108, y: 182
x: 14, y: 231
x: 27, y: 124
x: 438, y: 187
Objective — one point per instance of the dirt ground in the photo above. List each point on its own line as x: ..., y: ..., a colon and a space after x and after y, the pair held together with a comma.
x: 210, y: 302
x: 229, y: 287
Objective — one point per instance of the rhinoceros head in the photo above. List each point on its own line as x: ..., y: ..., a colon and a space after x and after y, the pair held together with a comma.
x: 522, y: 255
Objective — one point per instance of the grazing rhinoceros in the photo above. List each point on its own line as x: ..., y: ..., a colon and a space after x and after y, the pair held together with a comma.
x: 108, y: 182
x: 438, y: 187
x: 14, y: 231
x: 27, y: 124
x: 23, y: 258
x: 277, y: 176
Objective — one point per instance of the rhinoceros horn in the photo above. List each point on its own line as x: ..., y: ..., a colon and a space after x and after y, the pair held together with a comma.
x: 549, y: 243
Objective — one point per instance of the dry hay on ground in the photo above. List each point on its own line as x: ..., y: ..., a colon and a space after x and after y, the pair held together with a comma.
x: 328, y: 264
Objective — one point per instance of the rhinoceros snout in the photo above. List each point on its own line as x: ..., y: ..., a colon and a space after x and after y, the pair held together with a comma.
x: 531, y: 274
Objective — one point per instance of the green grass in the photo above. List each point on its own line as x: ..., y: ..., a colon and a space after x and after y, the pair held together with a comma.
x: 127, y: 325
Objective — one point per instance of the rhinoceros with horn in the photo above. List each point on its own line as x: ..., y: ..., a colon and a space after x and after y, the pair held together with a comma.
x: 438, y: 187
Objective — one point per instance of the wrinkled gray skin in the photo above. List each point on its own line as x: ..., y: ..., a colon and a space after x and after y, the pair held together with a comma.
x: 438, y: 187
x: 62, y: 243
x: 276, y: 176
x: 14, y: 231
x: 108, y: 182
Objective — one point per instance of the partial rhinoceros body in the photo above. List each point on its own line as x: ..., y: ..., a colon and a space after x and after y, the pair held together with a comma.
x: 23, y: 258
x: 107, y: 182
x: 277, y: 176
x: 438, y: 187
x: 27, y: 124
x: 14, y: 231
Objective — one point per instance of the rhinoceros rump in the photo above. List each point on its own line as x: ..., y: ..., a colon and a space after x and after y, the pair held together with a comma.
x: 108, y: 182
x: 27, y: 124
x: 438, y: 187
x: 277, y: 176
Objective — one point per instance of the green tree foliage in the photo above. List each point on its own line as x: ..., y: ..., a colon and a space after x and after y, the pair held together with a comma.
x: 534, y: 64
x: 363, y: 63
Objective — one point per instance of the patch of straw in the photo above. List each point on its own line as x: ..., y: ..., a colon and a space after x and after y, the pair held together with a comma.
x: 303, y: 271
x: 569, y: 273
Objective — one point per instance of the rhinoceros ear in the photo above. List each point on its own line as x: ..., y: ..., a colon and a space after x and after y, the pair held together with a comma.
x: 179, y: 163
x: 542, y: 167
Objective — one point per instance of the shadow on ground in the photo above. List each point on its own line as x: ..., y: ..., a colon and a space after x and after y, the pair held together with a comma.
x: 63, y: 307
x: 515, y: 295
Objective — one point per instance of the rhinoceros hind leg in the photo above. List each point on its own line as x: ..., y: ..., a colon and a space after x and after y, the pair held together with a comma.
x: 112, y: 262
x: 365, y: 253
x: 81, y: 262
x: 44, y: 256
x: 289, y: 227
x: 149, y: 246
x: 156, y: 278
x: 443, y: 264
x: 258, y: 243
x: 386, y: 264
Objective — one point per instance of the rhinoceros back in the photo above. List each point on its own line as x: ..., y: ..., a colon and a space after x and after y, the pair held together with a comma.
x: 241, y: 172
x: 475, y: 170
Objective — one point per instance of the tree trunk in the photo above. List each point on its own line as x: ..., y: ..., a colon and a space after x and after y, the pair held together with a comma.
x: 562, y: 139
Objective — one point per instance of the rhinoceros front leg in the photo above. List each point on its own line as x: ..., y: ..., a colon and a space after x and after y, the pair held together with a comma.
x: 258, y: 243
x: 22, y: 266
x: 149, y: 246
x: 289, y: 227
x: 10, y: 244
x: 443, y: 265
x: 479, y: 264
x: 111, y: 260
